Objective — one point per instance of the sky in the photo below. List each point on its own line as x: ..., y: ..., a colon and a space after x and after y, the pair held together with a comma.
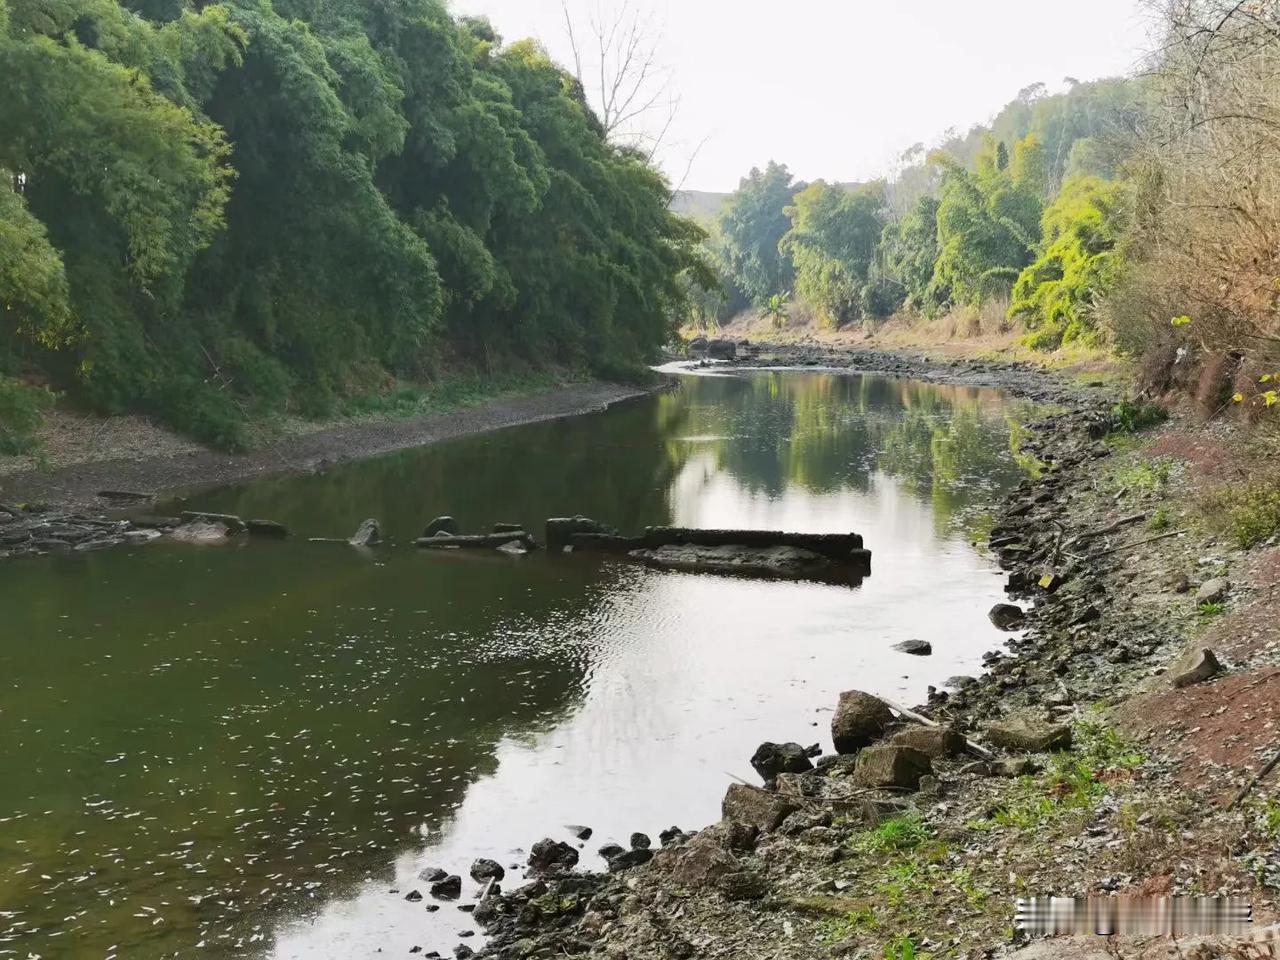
x: 835, y: 89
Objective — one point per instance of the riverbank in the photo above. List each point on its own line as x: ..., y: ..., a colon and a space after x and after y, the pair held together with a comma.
x: 1108, y: 775
x: 134, y: 462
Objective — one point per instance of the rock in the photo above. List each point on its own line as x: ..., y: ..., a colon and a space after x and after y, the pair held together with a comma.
x: 888, y: 765
x: 233, y: 523
x: 484, y: 870
x: 268, y: 529
x: 860, y: 720
x: 959, y: 682
x: 756, y: 807
x: 640, y: 841
x: 200, y: 532
x: 934, y: 742
x: 629, y: 858
x: 1195, y: 666
x: 721, y: 349
x: 432, y: 874
x: 1012, y: 767
x: 450, y: 888
x: 442, y: 525
x: 549, y: 856
x: 1028, y: 730
x: 611, y: 850
x: 670, y: 836
x: 579, y: 831
x: 771, y: 759
x: 702, y: 860
x: 777, y: 562
x: 413, y: 896
x: 513, y: 548
x: 917, y: 648
x: 743, y: 885
x: 698, y: 345
x: 1213, y: 591
x: 463, y: 952
x: 737, y: 836
x: 506, y: 528
x: 367, y: 534
x: 560, y: 530
x: 1007, y: 616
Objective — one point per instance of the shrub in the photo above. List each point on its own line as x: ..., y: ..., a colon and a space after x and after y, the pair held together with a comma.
x: 21, y: 410
x: 1131, y: 416
x: 1248, y: 512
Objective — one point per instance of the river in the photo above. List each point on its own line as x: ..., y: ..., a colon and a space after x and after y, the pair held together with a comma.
x: 253, y: 750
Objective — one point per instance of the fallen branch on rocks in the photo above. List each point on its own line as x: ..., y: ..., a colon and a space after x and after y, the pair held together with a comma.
x: 1139, y: 543
x: 1108, y: 529
x: 1257, y: 778
x: 980, y: 752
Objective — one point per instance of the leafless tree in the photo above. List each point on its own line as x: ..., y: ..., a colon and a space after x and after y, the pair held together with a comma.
x: 1209, y: 210
x: 616, y: 61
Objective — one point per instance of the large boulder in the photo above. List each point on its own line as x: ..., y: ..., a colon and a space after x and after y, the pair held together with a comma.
x: 756, y: 807
x: 703, y: 860
x: 560, y: 530
x: 1029, y: 730
x: 933, y: 742
x: 441, y: 525
x: 551, y: 856
x: 771, y: 759
x: 1007, y: 616
x: 367, y: 534
x: 888, y: 765
x: 859, y: 721
x: 722, y: 349
x: 1195, y: 666
x: 698, y: 345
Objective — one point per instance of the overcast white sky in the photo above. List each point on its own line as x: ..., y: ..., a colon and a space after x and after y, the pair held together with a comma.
x: 838, y: 88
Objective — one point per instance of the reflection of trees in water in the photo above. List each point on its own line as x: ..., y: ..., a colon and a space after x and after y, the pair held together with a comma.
x: 831, y: 432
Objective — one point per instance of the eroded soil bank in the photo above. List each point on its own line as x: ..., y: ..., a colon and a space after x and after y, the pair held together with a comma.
x: 159, y: 465
x: 1117, y: 746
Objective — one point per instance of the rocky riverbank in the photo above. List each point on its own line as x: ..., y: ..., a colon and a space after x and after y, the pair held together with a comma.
x: 1101, y: 752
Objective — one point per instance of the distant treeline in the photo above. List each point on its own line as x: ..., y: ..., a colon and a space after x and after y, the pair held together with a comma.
x: 1141, y: 214
x: 214, y: 212
x: 995, y: 214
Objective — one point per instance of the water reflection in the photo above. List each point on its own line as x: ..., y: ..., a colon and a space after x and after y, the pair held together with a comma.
x: 249, y: 748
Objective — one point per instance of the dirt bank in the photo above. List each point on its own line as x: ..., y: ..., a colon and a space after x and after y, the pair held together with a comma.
x: 1121, y: 576
x: 128, y: 455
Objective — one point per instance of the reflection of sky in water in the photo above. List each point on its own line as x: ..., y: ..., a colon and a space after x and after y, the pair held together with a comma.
x: 329, y: 724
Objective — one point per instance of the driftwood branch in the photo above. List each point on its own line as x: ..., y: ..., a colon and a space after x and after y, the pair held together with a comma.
x: 973, y: 748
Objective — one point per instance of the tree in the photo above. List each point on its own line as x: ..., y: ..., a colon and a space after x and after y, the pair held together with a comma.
x: 752, y: 226
x: 832, y: 243
x: 1058, y: 295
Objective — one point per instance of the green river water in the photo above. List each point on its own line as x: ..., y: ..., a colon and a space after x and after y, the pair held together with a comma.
x: 243, y: 750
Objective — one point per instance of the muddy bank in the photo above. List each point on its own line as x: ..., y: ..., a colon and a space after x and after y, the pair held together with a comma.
x: 1098, y: 777
x: 79, y: 486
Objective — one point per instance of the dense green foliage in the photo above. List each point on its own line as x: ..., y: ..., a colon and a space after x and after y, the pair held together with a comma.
x: 1016, y: 210
x: 215, y: 211
x: 1057, y: 296
x: 832, y: 242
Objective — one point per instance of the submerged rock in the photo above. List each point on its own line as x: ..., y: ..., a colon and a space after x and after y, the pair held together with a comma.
x: 367, y: 534
x: 1007, y: 616
x: 484, y: 870
x: 771, y: 759
x: 561, y: 530
x: 450, y: 888
x: 859, y: 721
x: 200, y: 532
x: 917, y: 648
x: 440, y: 525
x: 268, y: 529
x: 779, y: 562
